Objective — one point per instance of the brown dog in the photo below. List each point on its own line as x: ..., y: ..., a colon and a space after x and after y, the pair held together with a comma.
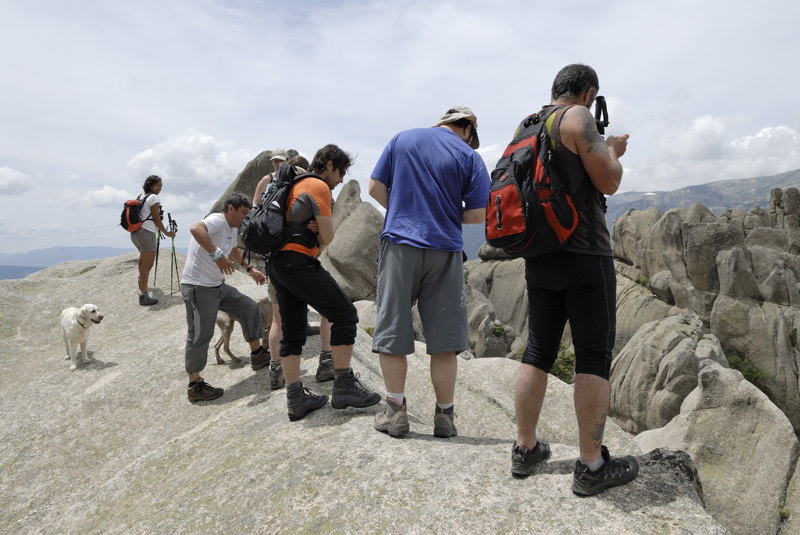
x: 225, y: 322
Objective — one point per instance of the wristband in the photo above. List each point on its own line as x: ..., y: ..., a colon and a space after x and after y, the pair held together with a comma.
x: 249, y: 269
x: 216, y: 255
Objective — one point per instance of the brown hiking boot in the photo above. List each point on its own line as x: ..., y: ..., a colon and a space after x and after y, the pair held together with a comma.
x: 259, y: 358
x: 443, y: 424
x: 393, y: 419
x: 202, y: 391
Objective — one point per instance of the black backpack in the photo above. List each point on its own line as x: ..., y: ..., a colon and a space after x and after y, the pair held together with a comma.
x: 529, y: 212
x: 265, y: 229
x: 131, y: 217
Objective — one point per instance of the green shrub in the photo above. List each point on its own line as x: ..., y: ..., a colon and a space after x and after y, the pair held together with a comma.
x: 644, y: 281
x: 747, y: 368
x: 784, y: 514
x: 472, y: 345
x: 498, y: 330
x: 564, y: 366
x: 370, y: 330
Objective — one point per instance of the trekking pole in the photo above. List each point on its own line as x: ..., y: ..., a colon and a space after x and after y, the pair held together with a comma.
x: 173, y: 227
x: 158, y: 246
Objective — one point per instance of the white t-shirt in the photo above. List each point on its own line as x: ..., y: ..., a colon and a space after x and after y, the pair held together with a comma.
x: 199, y: 269
x: 145, y: 212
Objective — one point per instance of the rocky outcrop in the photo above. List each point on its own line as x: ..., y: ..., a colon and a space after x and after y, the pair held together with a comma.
x: 738, y: 272
x: 745, y: 449
x: 657, y: 369
x: 248, y: 178
x: 115, y: 446
x: 352, y: 256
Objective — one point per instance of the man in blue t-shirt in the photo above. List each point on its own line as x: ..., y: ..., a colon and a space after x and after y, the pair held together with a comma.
x: 430, y: 181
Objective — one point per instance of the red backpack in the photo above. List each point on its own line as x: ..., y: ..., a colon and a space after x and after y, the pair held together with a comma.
x: 131, y: 217
x: 529, y: 212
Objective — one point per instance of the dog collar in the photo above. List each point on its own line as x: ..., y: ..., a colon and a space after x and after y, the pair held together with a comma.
x: 81, y: 324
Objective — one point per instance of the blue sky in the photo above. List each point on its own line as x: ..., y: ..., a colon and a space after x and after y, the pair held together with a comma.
x: 98, y: 95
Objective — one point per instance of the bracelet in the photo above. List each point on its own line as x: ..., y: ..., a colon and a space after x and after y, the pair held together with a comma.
x: 249, y: 269
x: 216, y: 255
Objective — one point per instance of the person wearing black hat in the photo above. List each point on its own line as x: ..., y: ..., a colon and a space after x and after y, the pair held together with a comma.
x: 431, y: 181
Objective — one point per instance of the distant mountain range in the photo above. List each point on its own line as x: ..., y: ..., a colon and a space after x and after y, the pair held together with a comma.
x: 19, y: 265
x: 743, y: 194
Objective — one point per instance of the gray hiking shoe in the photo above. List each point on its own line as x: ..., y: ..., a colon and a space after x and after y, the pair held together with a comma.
x: 276, y: 379
x: 615, y: 472
x: 301, y: 401
x: 325, y: 368
x: 146, y: 301
x: 393, y: 419
x: 202, y: 391
x: 348, y: 392
x: 259, y: 358
x: 443, y: 424
x: 523, y: 460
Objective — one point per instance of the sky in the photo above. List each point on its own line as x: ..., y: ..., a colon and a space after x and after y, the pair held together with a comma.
x: 97, y: 95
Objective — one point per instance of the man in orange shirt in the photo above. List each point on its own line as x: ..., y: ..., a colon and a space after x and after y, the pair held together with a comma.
x: 300, y: 280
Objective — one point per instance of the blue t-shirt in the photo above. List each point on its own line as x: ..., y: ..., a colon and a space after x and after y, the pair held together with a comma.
x: 432, y: 177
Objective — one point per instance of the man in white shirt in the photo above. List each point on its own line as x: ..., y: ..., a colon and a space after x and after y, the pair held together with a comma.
x: 212, y: 253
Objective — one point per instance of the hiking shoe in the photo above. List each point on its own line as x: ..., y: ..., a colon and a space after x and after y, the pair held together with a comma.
x: 348, y: 392
x: 259, y: 358
x: 393, y: 419
x: 312, y: 330
x: 301, y: 401
x: 202, y: 391
x: 145, y: 300
x: 614, y: 472
x: 276, y: 379
x: 443, y: 424
x: 325, y: 368
x: 523, y: 460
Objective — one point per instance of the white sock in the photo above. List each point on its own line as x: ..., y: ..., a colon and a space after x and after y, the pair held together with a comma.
x: 396, y: 398
x: 444, y: 406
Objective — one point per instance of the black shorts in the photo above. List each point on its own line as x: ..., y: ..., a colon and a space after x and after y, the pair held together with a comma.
x: 578, y: 288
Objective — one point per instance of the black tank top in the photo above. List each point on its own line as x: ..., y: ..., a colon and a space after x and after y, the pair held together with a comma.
x: 589, y: 202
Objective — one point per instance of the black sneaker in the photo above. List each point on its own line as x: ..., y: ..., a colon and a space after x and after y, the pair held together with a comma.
x: 146, y: 301
x: 301, y: 401
x: 202, y: 391
x: 523, y: 460
x: 614, y: 472
x: 348, y: 392
x: 259, y: 358
x: 276, y: 379
x: 325, y: 368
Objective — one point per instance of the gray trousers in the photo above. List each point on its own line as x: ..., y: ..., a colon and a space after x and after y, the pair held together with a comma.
x: 202, y: 304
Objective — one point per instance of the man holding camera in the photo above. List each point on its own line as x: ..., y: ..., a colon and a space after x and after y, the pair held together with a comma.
x: 575, y: 284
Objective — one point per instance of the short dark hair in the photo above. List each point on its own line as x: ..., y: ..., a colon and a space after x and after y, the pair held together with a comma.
x: 298, y: 161
x: 149, y: 182
x: 341, y: 160
x: 573, y: 80
x: 236, y: 199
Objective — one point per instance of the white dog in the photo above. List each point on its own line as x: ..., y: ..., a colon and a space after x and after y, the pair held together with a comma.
x: 75, y: 325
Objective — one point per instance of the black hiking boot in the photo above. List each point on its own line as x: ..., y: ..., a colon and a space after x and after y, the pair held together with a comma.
x: 146, y: 301
x: 348, y: 392
x: 523, y: 460
x: 301, y: 401
x: 614, y: 472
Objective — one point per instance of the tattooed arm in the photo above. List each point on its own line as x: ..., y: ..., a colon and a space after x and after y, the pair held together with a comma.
x: 600, y: 157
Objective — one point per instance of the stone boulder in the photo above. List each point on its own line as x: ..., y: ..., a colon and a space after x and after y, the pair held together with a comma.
x: 247, y: 179
x: 657, y: 369
x: 352, y: 255
x: 628, y: 230
x: 744, y: 447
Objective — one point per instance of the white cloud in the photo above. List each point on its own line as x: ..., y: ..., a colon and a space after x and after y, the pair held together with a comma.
x: 704, y: 150
x: 13, y: 182
x: 194, y: 167
x: 108, y: 196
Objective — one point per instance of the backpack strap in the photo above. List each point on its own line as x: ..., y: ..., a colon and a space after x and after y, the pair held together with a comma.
x: 554, y: 131
x: 142, y: 200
